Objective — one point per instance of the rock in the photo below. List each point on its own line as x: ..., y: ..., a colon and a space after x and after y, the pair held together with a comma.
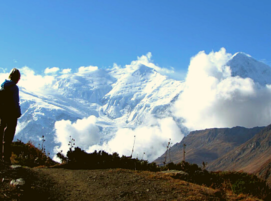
x: 15, y: 166
x: 17, y: 182
x: 12, y: 183
x: 177, y: 174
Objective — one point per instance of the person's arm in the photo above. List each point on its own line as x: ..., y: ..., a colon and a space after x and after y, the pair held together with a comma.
x: 17, y: 102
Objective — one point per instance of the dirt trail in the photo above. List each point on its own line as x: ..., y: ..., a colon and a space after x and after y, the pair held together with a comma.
x: 121, y: 184
x: 106, y: 184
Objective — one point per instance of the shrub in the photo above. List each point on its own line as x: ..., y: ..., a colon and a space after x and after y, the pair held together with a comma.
x: 61, y: 156
x: 78, y: 158
x: 238, y: 182
x: 241, y: 182
x: 29, y: 155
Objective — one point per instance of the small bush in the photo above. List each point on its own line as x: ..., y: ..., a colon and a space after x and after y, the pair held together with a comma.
x: 29, y: 155
x: 239, y: 187
x: 237, y: 182
x: 62, y: 157
x: 244, y: 183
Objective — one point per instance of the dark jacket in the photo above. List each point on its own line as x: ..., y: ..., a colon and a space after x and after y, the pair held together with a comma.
x: 13, y: 106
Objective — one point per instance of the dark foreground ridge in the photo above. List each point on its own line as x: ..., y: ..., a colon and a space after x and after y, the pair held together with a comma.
x: 35, y: 186
x: 106, y: 184
x: 78, y: 180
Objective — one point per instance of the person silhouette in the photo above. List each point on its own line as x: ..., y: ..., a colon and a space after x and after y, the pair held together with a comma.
x: 10, y: 111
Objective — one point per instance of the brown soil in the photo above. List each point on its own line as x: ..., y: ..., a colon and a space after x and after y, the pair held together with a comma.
x: 104, y: 184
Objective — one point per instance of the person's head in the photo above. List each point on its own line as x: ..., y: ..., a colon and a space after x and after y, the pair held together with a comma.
x: 14, y: 75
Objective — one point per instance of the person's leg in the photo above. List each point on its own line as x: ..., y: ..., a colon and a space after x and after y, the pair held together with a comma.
x: 9, y: 133
x: 2, y: 127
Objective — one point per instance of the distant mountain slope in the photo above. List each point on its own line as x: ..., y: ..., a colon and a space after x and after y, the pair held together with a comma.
x: 209, y: 145
x: 249, y: 156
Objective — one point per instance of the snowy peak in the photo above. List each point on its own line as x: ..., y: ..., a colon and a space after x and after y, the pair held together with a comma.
x: 139, y: 91
x: 144, y: 71
x: 243, y: 65
x: 240, y: 55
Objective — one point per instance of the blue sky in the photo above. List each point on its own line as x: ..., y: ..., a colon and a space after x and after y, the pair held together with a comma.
x: 70, y: 34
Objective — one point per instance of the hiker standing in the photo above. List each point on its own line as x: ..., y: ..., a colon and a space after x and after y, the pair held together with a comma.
x: 10, y: 111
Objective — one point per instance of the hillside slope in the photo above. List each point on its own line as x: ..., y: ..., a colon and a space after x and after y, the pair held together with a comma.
x: 209, y: 145
x: 249, y: 156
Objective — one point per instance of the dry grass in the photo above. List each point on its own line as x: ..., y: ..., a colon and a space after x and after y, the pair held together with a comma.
x: 185, y: 190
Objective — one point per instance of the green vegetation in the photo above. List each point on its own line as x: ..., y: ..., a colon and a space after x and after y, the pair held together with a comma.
x: 237, y: 182
x: 241, y: 182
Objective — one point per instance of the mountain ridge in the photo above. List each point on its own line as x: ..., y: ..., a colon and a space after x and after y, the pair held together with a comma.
x: 209, y: 144
x: 118, y: 98
x: 248, y: 157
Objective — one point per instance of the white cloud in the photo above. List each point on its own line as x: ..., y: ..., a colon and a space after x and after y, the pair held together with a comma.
x: 51, y: 70
x: 84, y: 131
x: 151, y: 139
x: 3, y: 76
x: 66, y: 71
x: 87, y: 69
x: 212, y: 98
x: 32, y: 82
x: 3, y: 70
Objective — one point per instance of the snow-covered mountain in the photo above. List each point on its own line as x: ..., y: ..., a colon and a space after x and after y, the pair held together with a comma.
x: 244, y: 65
x: 117, y: 98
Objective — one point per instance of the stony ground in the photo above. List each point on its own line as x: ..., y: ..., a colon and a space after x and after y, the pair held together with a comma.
x: 105, y: 184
